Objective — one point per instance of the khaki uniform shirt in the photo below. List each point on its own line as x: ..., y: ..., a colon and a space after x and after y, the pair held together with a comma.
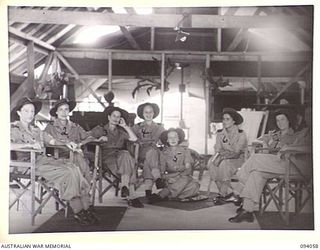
x: 71, y: 132
x: 235, y: 142
x: 174, y: 161
x: 116, y: 138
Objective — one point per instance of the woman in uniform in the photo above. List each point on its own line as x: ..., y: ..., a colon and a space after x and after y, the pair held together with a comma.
x: 175, y: 163
x: 231, y: 143
x: 118, y: 160
x: 148, y: 133
x: 260, y: 166
x: 65, y: 176
x: 69, y: 134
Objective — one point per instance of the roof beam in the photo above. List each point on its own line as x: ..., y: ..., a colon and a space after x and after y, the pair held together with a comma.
x: 128, y: 36
x: 18, y: 79
x: 231, y: 11
x: 145, y: 55
x: 242, y: 33
x: 267, y: 80
x: 289, y: 83
x: 74, y: 72
x: 21, y: 52
x: 27, y: 37
x: 300, y: 32
x: 155, y: 20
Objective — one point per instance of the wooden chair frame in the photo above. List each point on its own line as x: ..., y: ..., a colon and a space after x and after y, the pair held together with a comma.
x: 28, y: 173
x: 291, y: 184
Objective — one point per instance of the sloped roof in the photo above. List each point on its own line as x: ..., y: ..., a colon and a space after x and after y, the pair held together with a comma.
x: 234, y: 37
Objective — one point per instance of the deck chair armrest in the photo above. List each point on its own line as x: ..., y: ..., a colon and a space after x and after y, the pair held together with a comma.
x: 295, y: 151
x: 56, y: 149
x: 27, y: 150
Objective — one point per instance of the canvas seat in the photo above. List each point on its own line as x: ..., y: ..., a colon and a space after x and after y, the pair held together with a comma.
x: 105, y: 175
x: 293, y: 184
x: 23, y: 174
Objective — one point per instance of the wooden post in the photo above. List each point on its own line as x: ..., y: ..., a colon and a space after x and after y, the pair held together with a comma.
x: 30, y: 63
x: 302, y: 86
x: 162, y: 83
x: 207, y: 103
x: 110, y: 71
x: 74, y: 72
x: 33, y: 185
x: 152, y: 38
x: 219, y: 34
x: 46, y: 67
x: 259, y: 80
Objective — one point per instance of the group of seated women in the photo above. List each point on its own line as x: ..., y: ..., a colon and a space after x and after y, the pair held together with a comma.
x: 253, y: 173
x: 169, y: 169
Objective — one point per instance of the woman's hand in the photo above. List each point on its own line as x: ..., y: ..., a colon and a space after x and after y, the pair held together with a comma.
x: 103, y: 138
x: 122, y: 123
x: 36, y: 145
x: 71, y: 145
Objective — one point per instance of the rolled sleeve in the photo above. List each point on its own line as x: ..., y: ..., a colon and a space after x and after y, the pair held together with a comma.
x: 97, y: 132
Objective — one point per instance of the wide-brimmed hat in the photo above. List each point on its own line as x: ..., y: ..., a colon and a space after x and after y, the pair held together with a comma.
x: 288, y: 113
x: 238, y: 119
x: 164, y: 135
x: 154, y: 106
x: 71, y: 104
x: 25, y: 100
x: 124, y: 113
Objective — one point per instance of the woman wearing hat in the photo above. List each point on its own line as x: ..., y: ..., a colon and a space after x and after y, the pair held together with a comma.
x: 69, y: 134
x: 260, y: 166
x: 175, y: 163
x: 231, y: 143
x: 114, y: 157
x: 148, y: 133
x: 65, y: 176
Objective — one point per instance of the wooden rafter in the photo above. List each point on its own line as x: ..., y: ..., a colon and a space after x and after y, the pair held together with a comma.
x: 241, y: 34
x: 25, y: 36
x: 47, y: 64
x: 231, y: 11
x: 74, y: 72
x: 94, y: 84
x: 17, y: 79
x: 19, y: 42
x: 30, y: 33
x: 128, y: 36
x: 16, y: 66
x: 58, y: 35
x: 155, y: 20
x: 289, y: 83
x: 26, y: 88
x: 298, y: 32
x: 146, y: 55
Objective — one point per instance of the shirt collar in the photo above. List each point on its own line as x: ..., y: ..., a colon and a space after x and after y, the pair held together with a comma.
x: 58, y: 123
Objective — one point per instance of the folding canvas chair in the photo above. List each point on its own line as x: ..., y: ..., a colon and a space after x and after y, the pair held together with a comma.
x: 199, y: 163
x: 56, y: 150
x: 294, y: 184
x: 23, y: 174
x: 100, y: 174
x: 105, y: 175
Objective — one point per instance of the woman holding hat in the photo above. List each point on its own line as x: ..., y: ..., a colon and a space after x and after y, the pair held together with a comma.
x: 231, y: 143
x: 114, y: 157
x: 65, y: 176
x: 260, y: 166
x: 67, y: 133
x: 175, y: 163
x: 148, y: 133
